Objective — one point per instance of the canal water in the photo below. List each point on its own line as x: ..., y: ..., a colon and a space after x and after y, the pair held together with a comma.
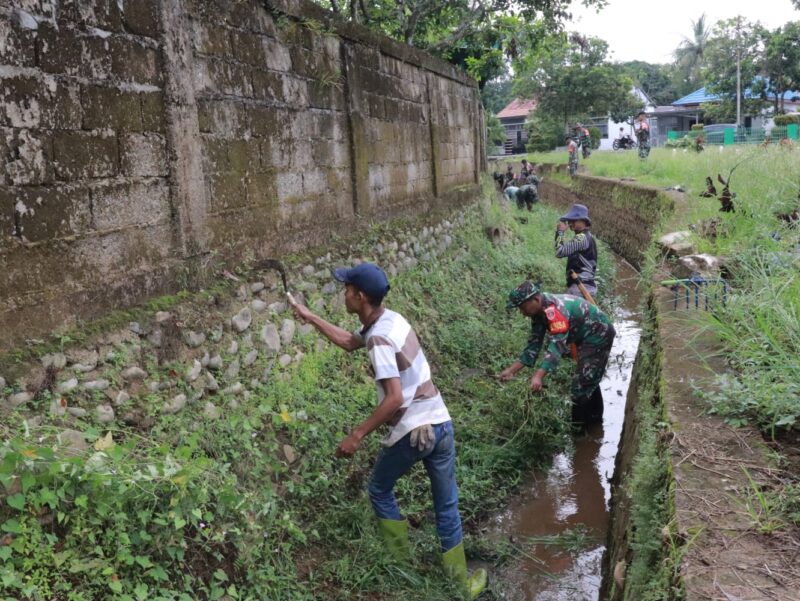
x: 558, y: 521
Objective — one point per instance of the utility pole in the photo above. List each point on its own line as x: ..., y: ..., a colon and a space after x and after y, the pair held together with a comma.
x: 738, y: 73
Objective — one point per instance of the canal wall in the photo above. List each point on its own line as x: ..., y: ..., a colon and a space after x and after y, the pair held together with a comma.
x: 682, y: 518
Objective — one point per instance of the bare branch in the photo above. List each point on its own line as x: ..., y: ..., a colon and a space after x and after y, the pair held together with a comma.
x: 421, y: 10
x: 463, y: 30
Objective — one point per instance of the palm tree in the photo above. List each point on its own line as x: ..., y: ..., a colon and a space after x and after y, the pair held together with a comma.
x: 690, y: 53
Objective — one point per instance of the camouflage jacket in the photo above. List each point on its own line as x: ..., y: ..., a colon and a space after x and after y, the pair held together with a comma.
x: 566, y: 319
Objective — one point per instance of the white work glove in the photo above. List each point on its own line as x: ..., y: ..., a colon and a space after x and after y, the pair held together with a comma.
x: 423, y: 438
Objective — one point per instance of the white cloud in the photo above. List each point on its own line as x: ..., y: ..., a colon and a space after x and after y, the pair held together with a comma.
x: 650, y: 31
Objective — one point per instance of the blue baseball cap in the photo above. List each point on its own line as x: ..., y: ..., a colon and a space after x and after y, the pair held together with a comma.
x: 366, y: 277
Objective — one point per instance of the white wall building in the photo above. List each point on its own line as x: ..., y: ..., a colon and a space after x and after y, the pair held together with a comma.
x: 610, y: 129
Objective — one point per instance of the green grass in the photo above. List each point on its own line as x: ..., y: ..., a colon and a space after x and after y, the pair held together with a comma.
x: 194, y: 508
x: 653, y: 571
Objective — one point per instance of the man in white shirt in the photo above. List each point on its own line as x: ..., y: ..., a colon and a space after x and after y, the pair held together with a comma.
x: 419, y: 425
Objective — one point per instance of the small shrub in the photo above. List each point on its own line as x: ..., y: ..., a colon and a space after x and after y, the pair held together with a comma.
x: 595, y: 134
x: 784, y: 120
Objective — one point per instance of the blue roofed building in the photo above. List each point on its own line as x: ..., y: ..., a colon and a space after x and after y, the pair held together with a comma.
x: 686, y: 111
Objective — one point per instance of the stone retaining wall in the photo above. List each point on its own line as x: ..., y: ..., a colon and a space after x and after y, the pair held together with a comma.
x: 143, y: 140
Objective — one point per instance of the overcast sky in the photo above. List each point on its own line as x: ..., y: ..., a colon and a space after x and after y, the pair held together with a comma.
x: 650, y: 31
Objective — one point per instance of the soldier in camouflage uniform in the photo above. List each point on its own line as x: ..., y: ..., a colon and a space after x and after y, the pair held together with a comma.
x: 584, y: 140
x: 643, y: 135
x: 567, y: 320
x: 528, y: 194
x: 572, y: 149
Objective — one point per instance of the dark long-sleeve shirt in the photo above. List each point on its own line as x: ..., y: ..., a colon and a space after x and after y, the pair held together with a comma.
x: 564, y: 249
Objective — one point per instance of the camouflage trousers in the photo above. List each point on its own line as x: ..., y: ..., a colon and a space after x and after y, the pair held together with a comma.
x: 587, y: 400
x: 644, y: 149
x: 573, y: 163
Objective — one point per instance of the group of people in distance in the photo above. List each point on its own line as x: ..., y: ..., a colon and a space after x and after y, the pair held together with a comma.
x: 580, y: 138
x: 418, y: 427
x: 523, y: 189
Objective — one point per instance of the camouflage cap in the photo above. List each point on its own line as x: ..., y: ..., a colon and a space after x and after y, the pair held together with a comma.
x: 522, y: 293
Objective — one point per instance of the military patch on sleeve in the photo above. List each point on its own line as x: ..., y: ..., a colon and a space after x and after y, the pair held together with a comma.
x: 556, y: 322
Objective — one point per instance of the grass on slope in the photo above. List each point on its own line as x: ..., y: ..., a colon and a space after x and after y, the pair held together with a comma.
x: 200, y: 508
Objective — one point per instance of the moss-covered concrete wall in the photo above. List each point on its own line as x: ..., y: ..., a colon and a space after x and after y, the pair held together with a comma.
x: 143, y: 140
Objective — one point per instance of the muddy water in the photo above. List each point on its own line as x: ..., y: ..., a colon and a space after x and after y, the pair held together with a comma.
x: 569, y: 502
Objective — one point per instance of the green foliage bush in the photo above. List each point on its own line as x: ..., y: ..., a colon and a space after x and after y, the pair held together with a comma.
x: 789, y: 119
x: 697, y: 127
x: 544, y: 133
x: 495, y: 132
x: 595, y: 134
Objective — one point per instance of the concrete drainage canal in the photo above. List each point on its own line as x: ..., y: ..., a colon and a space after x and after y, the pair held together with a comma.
x: 559, y: 520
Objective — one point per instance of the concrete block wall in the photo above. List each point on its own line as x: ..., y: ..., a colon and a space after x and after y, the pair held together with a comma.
x: 84, y: 193
x: 142, y: 139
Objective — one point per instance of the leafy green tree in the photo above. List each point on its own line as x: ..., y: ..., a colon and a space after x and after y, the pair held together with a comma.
x: 723, y: 111
x: 545, y: 132
x: 496, y: 94
x: 656, y: 80
x: 734, y: 39
x: 781, y: 64
x: 691, y: 52
x: 495, y: 132
x: 477, y: 35
x: 571, y: 78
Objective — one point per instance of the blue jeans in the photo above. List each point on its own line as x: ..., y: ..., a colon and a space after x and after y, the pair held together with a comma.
x: 440, y: 463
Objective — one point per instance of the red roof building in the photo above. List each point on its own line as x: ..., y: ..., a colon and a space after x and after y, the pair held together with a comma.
x: 513, y: 119
x: 517, y: 108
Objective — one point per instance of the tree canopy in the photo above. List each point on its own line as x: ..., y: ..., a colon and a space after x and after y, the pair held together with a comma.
x: 781, y: 63
x: 657, y: 80
x: 690, y: 53
x: 496, y: 94
x: 478, y: 35
x: 571, y: 78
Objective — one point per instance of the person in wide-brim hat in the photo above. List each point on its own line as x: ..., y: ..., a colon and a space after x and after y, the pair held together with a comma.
x: 580, y: 252
x: 577, y: 212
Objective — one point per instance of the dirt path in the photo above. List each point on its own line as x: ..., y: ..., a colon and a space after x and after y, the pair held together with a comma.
x: 718, y: 473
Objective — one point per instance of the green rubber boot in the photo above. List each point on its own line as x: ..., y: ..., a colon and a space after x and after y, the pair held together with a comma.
x: 455, y: 566
x: 395, y: 534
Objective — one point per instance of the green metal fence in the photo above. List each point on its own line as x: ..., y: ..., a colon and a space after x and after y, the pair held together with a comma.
x: 741, y: 135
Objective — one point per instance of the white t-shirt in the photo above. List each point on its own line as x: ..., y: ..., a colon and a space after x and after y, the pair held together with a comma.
x: 395, y: 352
